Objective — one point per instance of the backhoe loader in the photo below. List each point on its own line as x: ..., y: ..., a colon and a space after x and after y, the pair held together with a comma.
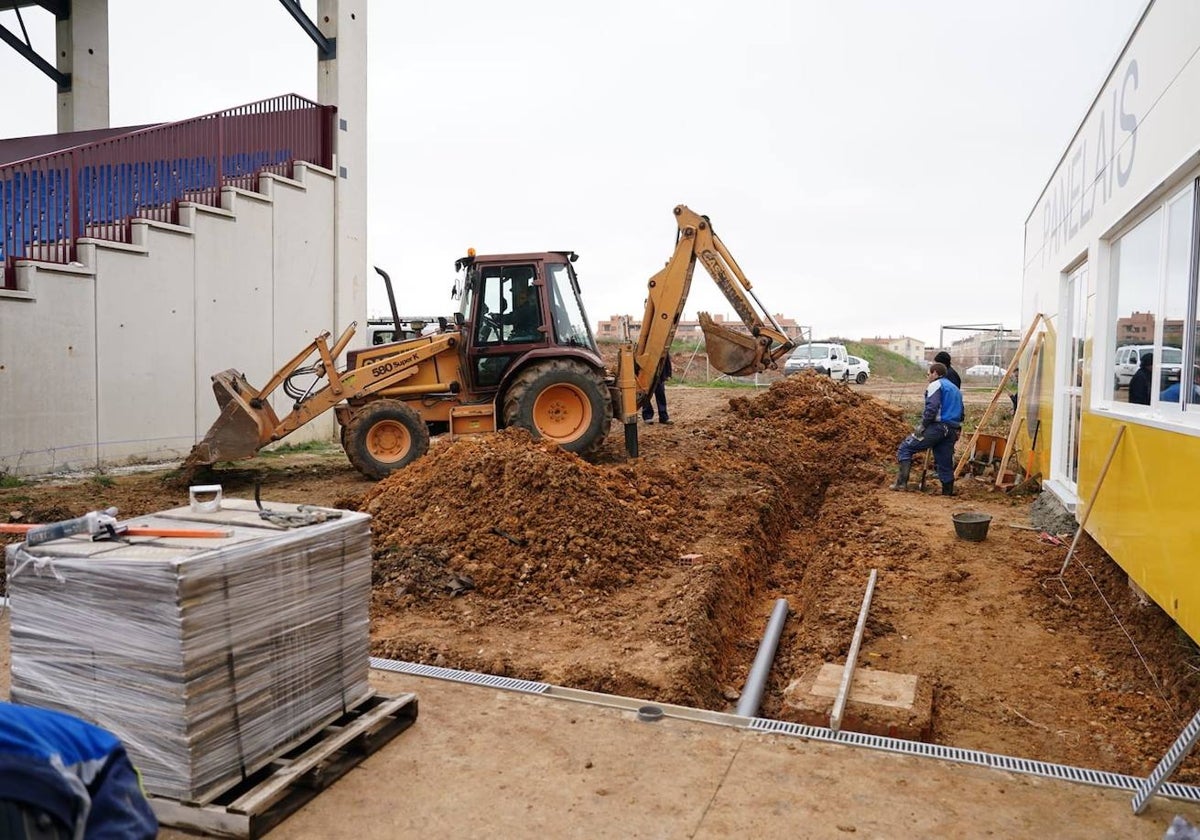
x: 518, y: 352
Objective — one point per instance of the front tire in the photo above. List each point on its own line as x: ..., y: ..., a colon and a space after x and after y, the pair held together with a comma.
x: 563, y: 401
x: 384, y: 436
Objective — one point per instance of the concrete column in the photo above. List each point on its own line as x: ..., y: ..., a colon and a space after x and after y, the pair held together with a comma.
x: 82, y: 51
x: 342, y: 81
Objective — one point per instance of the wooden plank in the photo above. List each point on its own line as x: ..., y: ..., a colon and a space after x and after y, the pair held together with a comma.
x: 262, y: 796
x: 208, y: 819
x: 1092, y: 500
x: 1018, y: 416
x: 962, y: 463
x: 214, y: 792
x: 297, y: 779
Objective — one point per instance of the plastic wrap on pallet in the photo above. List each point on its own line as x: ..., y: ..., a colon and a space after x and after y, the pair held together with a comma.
x: 204, y: 659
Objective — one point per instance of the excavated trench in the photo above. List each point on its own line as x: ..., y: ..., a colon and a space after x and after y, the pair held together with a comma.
x: 651, y: 579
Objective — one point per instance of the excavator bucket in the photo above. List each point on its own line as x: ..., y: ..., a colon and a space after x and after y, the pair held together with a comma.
x: 730, y: 351
x: 238, y: 430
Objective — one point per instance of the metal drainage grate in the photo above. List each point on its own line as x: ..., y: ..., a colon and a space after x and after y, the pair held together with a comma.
x: 418, y: 670
x: 1062, y: 772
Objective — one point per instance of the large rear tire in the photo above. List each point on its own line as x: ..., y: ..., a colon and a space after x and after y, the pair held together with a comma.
x: 563, y: 401
x: 384, y: 436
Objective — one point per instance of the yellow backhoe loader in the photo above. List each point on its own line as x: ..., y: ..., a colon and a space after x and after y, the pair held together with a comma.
x: 519, y: 352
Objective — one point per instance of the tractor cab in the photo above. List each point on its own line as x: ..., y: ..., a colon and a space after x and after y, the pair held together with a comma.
x: 516, y: 304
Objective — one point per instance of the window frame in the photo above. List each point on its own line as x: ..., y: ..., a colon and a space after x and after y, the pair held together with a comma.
x: 1106, y: 399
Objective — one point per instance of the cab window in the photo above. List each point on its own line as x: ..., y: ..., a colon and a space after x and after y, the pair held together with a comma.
x: 510, y: 308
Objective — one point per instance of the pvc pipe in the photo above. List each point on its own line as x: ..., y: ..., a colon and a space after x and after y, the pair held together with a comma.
x: 752, y: 693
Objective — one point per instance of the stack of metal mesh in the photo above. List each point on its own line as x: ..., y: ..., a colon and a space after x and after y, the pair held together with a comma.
x: 206, y: 657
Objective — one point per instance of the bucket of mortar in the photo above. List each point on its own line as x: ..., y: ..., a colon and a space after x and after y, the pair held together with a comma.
x: 972, y: 526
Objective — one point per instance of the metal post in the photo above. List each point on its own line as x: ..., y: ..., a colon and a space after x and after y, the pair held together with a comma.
x: 752, y: 693
x: 839, y: 706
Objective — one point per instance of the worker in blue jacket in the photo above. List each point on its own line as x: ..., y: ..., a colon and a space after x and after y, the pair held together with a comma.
x: 940, y: 426
x: 1171, y: 394
x: 61, y: 777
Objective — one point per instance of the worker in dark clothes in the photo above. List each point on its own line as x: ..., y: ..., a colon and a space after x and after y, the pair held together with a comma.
x: 61, y: 777
x: 944, y: 358
x: 660, y: 395
x: 1141, y: 384
x: 940, y: 425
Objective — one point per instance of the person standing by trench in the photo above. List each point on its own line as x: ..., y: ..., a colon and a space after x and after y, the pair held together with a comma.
x: 660, y: 396
x: 941, y: 423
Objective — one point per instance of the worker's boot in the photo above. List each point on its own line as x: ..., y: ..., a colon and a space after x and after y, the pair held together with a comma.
x: 948, y: 488
x: 902, y: 476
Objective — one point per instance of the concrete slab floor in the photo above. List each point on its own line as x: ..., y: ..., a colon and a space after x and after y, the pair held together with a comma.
x: 483, y: 762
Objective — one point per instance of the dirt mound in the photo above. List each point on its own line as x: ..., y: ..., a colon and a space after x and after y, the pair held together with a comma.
x: 522, y: 518
x: 812, y: 431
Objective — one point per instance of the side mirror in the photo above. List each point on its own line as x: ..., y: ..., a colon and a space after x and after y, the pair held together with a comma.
x: 458, y: 319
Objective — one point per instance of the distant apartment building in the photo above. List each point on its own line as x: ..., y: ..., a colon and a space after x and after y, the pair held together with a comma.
x: 909, y: 348
x: 611, y: 329
x: 1137, y: 328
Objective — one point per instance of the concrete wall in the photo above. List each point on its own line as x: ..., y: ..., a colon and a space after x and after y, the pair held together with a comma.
x: 1139, y: 142
x: 109, y: 361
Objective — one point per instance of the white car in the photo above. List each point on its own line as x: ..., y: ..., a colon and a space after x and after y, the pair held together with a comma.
x: 984, y: 370
x: 826, y: 359
x: 1129, y: 359
x: 859, y: 370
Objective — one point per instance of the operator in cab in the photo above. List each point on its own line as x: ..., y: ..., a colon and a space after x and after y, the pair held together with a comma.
x: 940, y: 426
x: 525, y: 316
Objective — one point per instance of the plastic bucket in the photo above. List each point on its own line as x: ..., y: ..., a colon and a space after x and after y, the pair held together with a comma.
x: 972, y: 526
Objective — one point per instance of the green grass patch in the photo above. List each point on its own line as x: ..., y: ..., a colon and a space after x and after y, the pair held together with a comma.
x: 7, y: 479
x: 885, y: 364
x: 312, y: 446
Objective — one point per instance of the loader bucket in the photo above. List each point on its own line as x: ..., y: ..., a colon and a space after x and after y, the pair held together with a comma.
x: 729, y: 351
x: 238, y: 430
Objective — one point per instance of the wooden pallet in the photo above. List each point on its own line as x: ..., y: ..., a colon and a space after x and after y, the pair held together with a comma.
x: 259, y: 803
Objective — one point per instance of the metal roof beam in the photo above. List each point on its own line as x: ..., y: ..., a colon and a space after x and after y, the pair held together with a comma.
x: 326, y: 47
x: 63, y: 80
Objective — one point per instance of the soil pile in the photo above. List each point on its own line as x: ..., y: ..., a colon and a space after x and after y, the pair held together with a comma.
x: 813, y: 431
x: 516, y: 518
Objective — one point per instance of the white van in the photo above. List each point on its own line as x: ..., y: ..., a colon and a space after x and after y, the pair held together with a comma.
x: 829, y: 359
x: 1129, y: 358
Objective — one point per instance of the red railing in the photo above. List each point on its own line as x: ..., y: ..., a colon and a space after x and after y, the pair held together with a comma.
x: 48, y: 203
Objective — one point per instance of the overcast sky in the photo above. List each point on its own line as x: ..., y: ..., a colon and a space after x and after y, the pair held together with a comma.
x: 870, y: 164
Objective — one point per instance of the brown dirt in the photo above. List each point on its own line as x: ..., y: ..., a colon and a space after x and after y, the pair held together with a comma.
x: 654, y: 578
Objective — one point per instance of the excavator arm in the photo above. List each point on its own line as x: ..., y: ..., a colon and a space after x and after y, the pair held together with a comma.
x: 729, y: 351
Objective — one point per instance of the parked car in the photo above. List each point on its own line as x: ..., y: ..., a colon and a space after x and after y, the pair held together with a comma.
x: 859, y: 370
x: 984, y: 370
x: 830, y: 360
x: 1129, y: 357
